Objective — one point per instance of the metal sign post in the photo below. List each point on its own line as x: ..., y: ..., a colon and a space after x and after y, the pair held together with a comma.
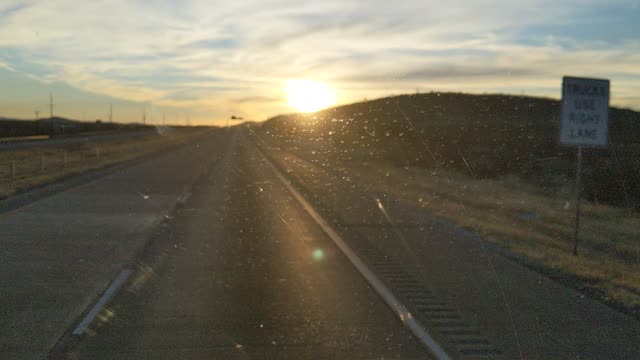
x: 578, y: 186
x: 585, y: 122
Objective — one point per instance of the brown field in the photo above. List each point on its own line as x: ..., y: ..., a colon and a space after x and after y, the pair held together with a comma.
x: 38, y: 166
x: 527, y: 222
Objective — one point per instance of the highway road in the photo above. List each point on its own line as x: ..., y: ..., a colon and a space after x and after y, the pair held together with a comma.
x: 241, y: 271
x: 235, y: 268
x: 508, y: 306
x: 57, y: 253
x: 230, y: 248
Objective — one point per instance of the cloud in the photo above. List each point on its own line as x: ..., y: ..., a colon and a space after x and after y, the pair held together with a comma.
x: 236, y: 56
x: 256, y: 99
x: 441, y: 71
x: 7, y: 10
x: 4, y: 65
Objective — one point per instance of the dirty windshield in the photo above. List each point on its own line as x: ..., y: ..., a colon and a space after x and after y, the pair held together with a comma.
x: 319, y: 179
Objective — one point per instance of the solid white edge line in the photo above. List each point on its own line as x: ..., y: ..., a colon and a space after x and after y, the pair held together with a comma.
x: 95, y: 310
x: 400, y: 310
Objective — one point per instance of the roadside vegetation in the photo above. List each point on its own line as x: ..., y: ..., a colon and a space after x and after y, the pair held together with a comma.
x: 484, y: 136
x: 59, y: 126
x: 22, y: 170
x: 491, y: 163
x: 534, y: 228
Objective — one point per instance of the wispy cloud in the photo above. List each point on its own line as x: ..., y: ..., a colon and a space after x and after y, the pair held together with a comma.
x: 217, y: 58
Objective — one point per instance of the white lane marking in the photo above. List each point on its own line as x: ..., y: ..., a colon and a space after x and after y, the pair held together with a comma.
x: 400, y: 310
x: 95, y: 310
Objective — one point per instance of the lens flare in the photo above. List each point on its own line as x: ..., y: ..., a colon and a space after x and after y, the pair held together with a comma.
x: 318, y: 254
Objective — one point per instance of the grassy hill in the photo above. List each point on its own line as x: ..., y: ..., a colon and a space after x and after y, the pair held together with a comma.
x: 483, y: 135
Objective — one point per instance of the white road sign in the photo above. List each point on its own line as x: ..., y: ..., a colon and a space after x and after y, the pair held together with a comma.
x: 585, y: 112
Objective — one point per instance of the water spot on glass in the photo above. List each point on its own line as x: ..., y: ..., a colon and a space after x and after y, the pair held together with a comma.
x: 318, y: 254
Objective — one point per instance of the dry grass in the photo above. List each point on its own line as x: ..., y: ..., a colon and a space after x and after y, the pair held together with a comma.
x: 533, y: 224
x: 80, y: 158
x: 520, y: 218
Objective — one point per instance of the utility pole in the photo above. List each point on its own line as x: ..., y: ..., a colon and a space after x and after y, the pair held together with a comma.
x: 51, y: 106
x: 37, y: 115
x: 51, y: 111
x: 163, y: 119
x: 144, y: 117
x: 111, y: 113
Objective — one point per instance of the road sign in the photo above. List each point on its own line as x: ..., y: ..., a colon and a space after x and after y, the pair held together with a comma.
x: 585, y: 123
x: 585, y: 112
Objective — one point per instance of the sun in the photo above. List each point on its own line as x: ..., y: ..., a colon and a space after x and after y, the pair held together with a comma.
x: 309, y: 96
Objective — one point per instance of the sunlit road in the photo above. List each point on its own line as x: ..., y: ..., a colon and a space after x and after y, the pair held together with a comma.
x: 57, y: 253
x: 224, y: 262
x: 240, y: 270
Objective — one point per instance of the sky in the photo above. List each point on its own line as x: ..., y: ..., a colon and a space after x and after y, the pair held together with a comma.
x: 202, y: 61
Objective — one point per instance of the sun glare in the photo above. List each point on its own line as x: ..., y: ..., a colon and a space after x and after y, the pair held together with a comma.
x: 309, y: 96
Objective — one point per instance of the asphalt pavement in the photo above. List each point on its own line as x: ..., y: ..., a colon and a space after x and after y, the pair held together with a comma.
x: 223, y: 262
x: 240, y: 270
x: 491, y: 306
x: 58, y: 253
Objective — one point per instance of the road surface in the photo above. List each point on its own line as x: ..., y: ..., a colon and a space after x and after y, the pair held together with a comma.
x: 238, y: 269
x: 508, y: 307
x: 57, y: 253
x: 241, y: 271
x: 226, y: 263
